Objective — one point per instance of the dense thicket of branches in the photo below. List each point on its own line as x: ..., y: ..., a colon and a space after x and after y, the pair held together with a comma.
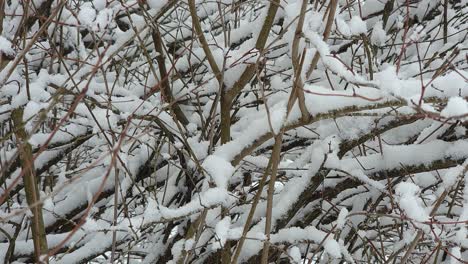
x: 232, y: 131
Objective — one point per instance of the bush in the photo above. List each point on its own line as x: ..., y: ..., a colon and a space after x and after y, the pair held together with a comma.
x: 233, y: 131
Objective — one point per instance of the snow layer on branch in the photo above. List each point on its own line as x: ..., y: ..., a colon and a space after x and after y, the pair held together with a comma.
x: 332, y: 63
x: 71, y: 195
x: 209, y: 198
x: 322, y: 100
x: 256, y: 125
x: 341, y: 220
x: 295, y: 187
x: 294, y: 234
x: 66, y: 134
x: 25, y: 247
x: 412, y: 155
x: 290, y: 235
x: 97, y: 244
x: 449, y: 85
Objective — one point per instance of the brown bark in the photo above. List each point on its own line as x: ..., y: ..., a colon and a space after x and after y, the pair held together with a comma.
x: 30, y: 185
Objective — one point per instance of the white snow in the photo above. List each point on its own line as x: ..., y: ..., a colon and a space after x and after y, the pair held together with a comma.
x: 450, y: 177
x: 100, y: 4
x: 294, y: 234
x: 378, y: 36
x: 456, y: 106
x: 410, y: 203
x: 6, y: 47
x: 295, y: 254
x: 87, y: 14
x: 219, y: 170
x: 418, y: 34
x: 360, y: 130
x: 357, y: 26
x: 157, y: 4
x: 341, y: 220
x: 455, y: 255
x: 222, y: 229
x: 343, y: 28
x: 210, y: 197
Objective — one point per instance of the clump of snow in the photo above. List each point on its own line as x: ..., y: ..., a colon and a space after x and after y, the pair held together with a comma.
x: 451, y: 176
x: 222, y: 229
x: 343, y: 28
x: 357, y: 26
x: 277, y: 117
x: 5, y: 47
x: 409, y: 202
x: 340, y: 222
x: 199, y: 148
x: 219, y: 169
x: 389, y: 81
x: 295, y: 254
x: 456, y: 106
x: 103, y: 19
x: 379, y: 36
x: 314, y: 20
x: 32, y: 109
x: 333, y: 248
x: 191, y: 127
